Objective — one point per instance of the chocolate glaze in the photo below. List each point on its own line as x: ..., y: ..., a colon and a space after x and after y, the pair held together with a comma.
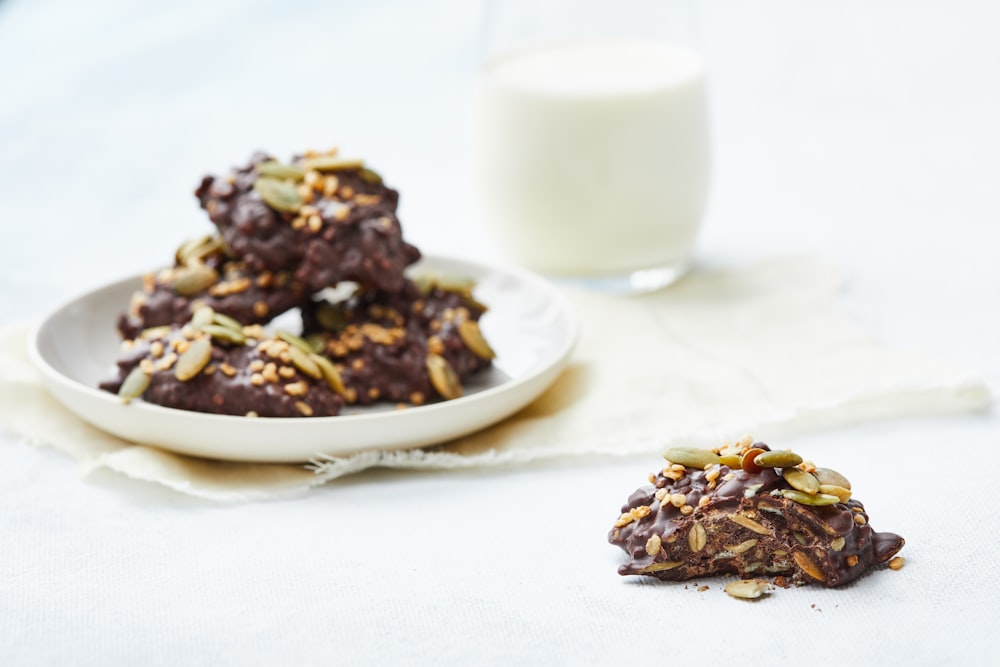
x: 788, y: 533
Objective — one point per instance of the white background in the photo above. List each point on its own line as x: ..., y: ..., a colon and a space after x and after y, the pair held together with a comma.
x: 864, y: 131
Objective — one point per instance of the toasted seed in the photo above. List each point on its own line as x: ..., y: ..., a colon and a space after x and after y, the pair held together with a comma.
x: 279, y: 195
x: 800, y: 479
x: 691, y: 457
x: 807, y: 565
x: 276, y: 169
x: 659, y: 567
x: 742, y: 547
x: 226, y: 321
x: 325, y: 163
x: 304, y: 362
x: 193, y: 278
x: 330, y: 317
x: 746, y: 589
x: 897, y: 563
x: 202, y: 315
x: 697, y: 537
x: 198, y: 249
x: 834, y: 490
x: 778, y: 459
x: 813, y: 499
x: 226, y: 334
x: 471, y: 335
x: 747, y: 522
x: 154, y: 332
x: 330, y: 373
x: 443, y: 377
x: 653, y: 545
x: 295, y: 341
x: 135, y: 384
x: 747, y: 462
x: 838, y: 543
x: 195, y: 358
x: 829, y: 476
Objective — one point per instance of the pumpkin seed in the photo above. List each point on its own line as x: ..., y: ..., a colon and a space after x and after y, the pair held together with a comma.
x: 746, y: 589
x: 742, y: 546
x: 829, y: 476
x: 304, y: 362
x: 747, y: 522
x: 193, y: 278
x: 331, y: 317
x: 443, y: 377
x: 801, y: 480
x: 202, y: 316
x: 472, y: 336
x: 697, y: 537
x: 135, y: 384
x: 807, y: 565
x: 226, y: 334
x: 369, y: 176
x: 154, y: 332
x: 294, y: 341
x: 198, y: 249
x: 332, y: 163
x: 730, y: 460
x: 834, y: 490
x: 660, y: 567
x: 330, y: 373
x: 228, y: 322
x: 279, y: 195
x: 814, y: 500
x: 691, y: 457
x: 778, y: 459
x: 747, y: 460
x: 316, y: 342
x: 275, y: 169
x: 195, y: 358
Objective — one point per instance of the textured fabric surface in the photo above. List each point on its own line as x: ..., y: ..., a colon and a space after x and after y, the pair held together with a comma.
x: 722, y: 353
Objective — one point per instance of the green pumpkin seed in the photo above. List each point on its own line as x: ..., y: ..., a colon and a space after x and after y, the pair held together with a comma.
x: 194, y: 278
x: 472, y: 336
x: 829, y: 476
x: 228, y: 322
x: 801, y: 480
x: 304, y: 362
x: 279, y: 195
x: 225, y: 334
x: 294, y: 341
x: 443, y: 377
x: 154, y: 332
x: 195, y: 358
x: 778, y: 459
x: 691, y: 457
x: 813, y: 499
x: 731, y: 460
x: 834, y: 490
x: 660, y: 567
x: 332, y: 163
x: 198, y: 249
x: 330, y: 317
x: 135, y: 384
x: 202, y: 316
x: 316, y: 342
x: 275, y: 169
x: 369, y: 176
x: 330, y: 373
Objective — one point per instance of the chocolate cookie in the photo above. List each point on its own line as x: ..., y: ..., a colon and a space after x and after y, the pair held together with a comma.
x: 212, y: 364
x: 203, y: 275
x: 746, y: 510
x: 322, y: 218
x: 411, y: 346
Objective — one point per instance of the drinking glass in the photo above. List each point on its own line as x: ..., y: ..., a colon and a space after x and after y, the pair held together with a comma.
x: 591, y: 139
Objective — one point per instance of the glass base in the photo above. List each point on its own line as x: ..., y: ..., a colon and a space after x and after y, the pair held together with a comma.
x: 636, y: 282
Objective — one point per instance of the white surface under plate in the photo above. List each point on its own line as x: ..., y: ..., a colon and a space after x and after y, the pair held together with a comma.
x: 529, y: 324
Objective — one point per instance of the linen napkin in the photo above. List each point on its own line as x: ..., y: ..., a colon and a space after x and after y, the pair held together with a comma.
x: 763, y: 349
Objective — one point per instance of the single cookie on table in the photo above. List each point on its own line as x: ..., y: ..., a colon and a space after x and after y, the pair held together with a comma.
x: 204, y: 275
x: 212, y: 364
x: 412, y: 346
x: 747, y: 510
x: 323, y: 218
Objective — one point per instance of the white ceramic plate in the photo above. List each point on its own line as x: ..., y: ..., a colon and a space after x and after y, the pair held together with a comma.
x: 529, y: 324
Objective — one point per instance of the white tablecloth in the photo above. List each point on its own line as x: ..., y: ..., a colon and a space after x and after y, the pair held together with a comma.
x: 862, y: 131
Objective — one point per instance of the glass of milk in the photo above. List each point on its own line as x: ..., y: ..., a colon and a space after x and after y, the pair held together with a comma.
x: 591, y: 138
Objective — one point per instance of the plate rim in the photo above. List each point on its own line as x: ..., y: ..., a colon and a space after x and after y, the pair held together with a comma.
x: 482, y: 268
